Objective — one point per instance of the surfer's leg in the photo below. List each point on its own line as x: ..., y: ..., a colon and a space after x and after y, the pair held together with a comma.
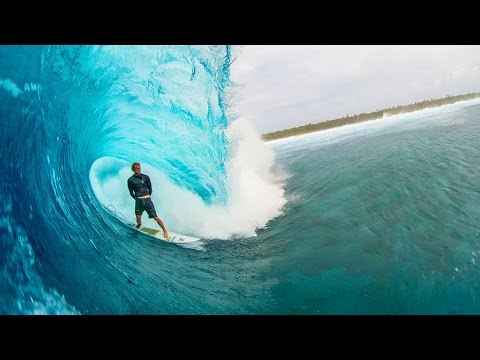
x: 138, y: 212
x: 160, y: 222
x: 139, y: 220
x: 150, y: 209
x: 152, y: 214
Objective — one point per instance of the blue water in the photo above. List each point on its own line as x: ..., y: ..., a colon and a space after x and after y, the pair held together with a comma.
x: 374, y: 218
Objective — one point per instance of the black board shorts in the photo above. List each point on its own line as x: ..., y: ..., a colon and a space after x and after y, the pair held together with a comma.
x: 145, y: 205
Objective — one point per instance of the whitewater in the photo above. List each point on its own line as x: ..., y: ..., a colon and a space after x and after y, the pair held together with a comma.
x: 378, y: 217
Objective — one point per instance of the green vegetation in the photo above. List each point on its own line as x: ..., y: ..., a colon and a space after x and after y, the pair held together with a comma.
x: 304, y: 129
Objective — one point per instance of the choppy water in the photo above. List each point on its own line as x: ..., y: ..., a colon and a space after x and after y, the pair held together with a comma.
x: 379, y: 217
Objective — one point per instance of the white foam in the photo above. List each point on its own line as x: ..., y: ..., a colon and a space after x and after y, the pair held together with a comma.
x: 10, y: 87
x: 255, y: 191
x: 32, y: 297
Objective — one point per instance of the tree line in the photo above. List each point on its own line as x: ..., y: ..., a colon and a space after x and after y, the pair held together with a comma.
x: 328, y: 124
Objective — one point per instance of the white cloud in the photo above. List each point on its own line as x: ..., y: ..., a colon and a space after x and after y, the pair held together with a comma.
x: 290, y: 85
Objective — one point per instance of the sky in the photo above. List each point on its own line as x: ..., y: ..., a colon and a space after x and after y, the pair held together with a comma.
x: 284, y: 86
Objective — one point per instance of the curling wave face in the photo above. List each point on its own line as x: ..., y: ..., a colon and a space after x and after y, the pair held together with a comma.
x: 73, y: 120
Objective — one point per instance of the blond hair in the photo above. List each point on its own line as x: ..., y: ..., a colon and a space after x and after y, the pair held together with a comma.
x: 135, y: 164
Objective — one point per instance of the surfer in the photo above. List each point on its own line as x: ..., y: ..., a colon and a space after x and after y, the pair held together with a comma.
x: 140, y: 188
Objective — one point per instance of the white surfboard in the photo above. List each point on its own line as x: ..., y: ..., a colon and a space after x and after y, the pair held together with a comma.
x: 172, y: 237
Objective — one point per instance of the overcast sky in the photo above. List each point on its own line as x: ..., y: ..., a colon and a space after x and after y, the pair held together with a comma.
x: 284, y: 86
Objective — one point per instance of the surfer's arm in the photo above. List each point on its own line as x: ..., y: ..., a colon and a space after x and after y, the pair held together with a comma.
x: 130, y: 189
x: 149, y: 184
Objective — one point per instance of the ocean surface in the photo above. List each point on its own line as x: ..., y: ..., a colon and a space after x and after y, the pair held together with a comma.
x: 374, y: 218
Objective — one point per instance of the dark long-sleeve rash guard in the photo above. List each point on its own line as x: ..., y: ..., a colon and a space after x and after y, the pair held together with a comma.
x: 139, y: 185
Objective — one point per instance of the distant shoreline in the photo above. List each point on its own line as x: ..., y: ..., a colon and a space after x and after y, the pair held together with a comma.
x: 355, y: 119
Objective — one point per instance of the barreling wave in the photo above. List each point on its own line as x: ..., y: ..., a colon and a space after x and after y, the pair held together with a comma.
x: 73, y: 120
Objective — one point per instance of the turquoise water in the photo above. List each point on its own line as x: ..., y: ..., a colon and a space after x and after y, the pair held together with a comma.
x: 374, y: 218
x: 384, y: 221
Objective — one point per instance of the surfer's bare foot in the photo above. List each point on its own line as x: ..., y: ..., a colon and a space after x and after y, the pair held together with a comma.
x: 138, y: 226
x: 165, y: 234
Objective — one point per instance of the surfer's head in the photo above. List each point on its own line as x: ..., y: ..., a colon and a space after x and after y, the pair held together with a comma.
x: 136, y: 168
